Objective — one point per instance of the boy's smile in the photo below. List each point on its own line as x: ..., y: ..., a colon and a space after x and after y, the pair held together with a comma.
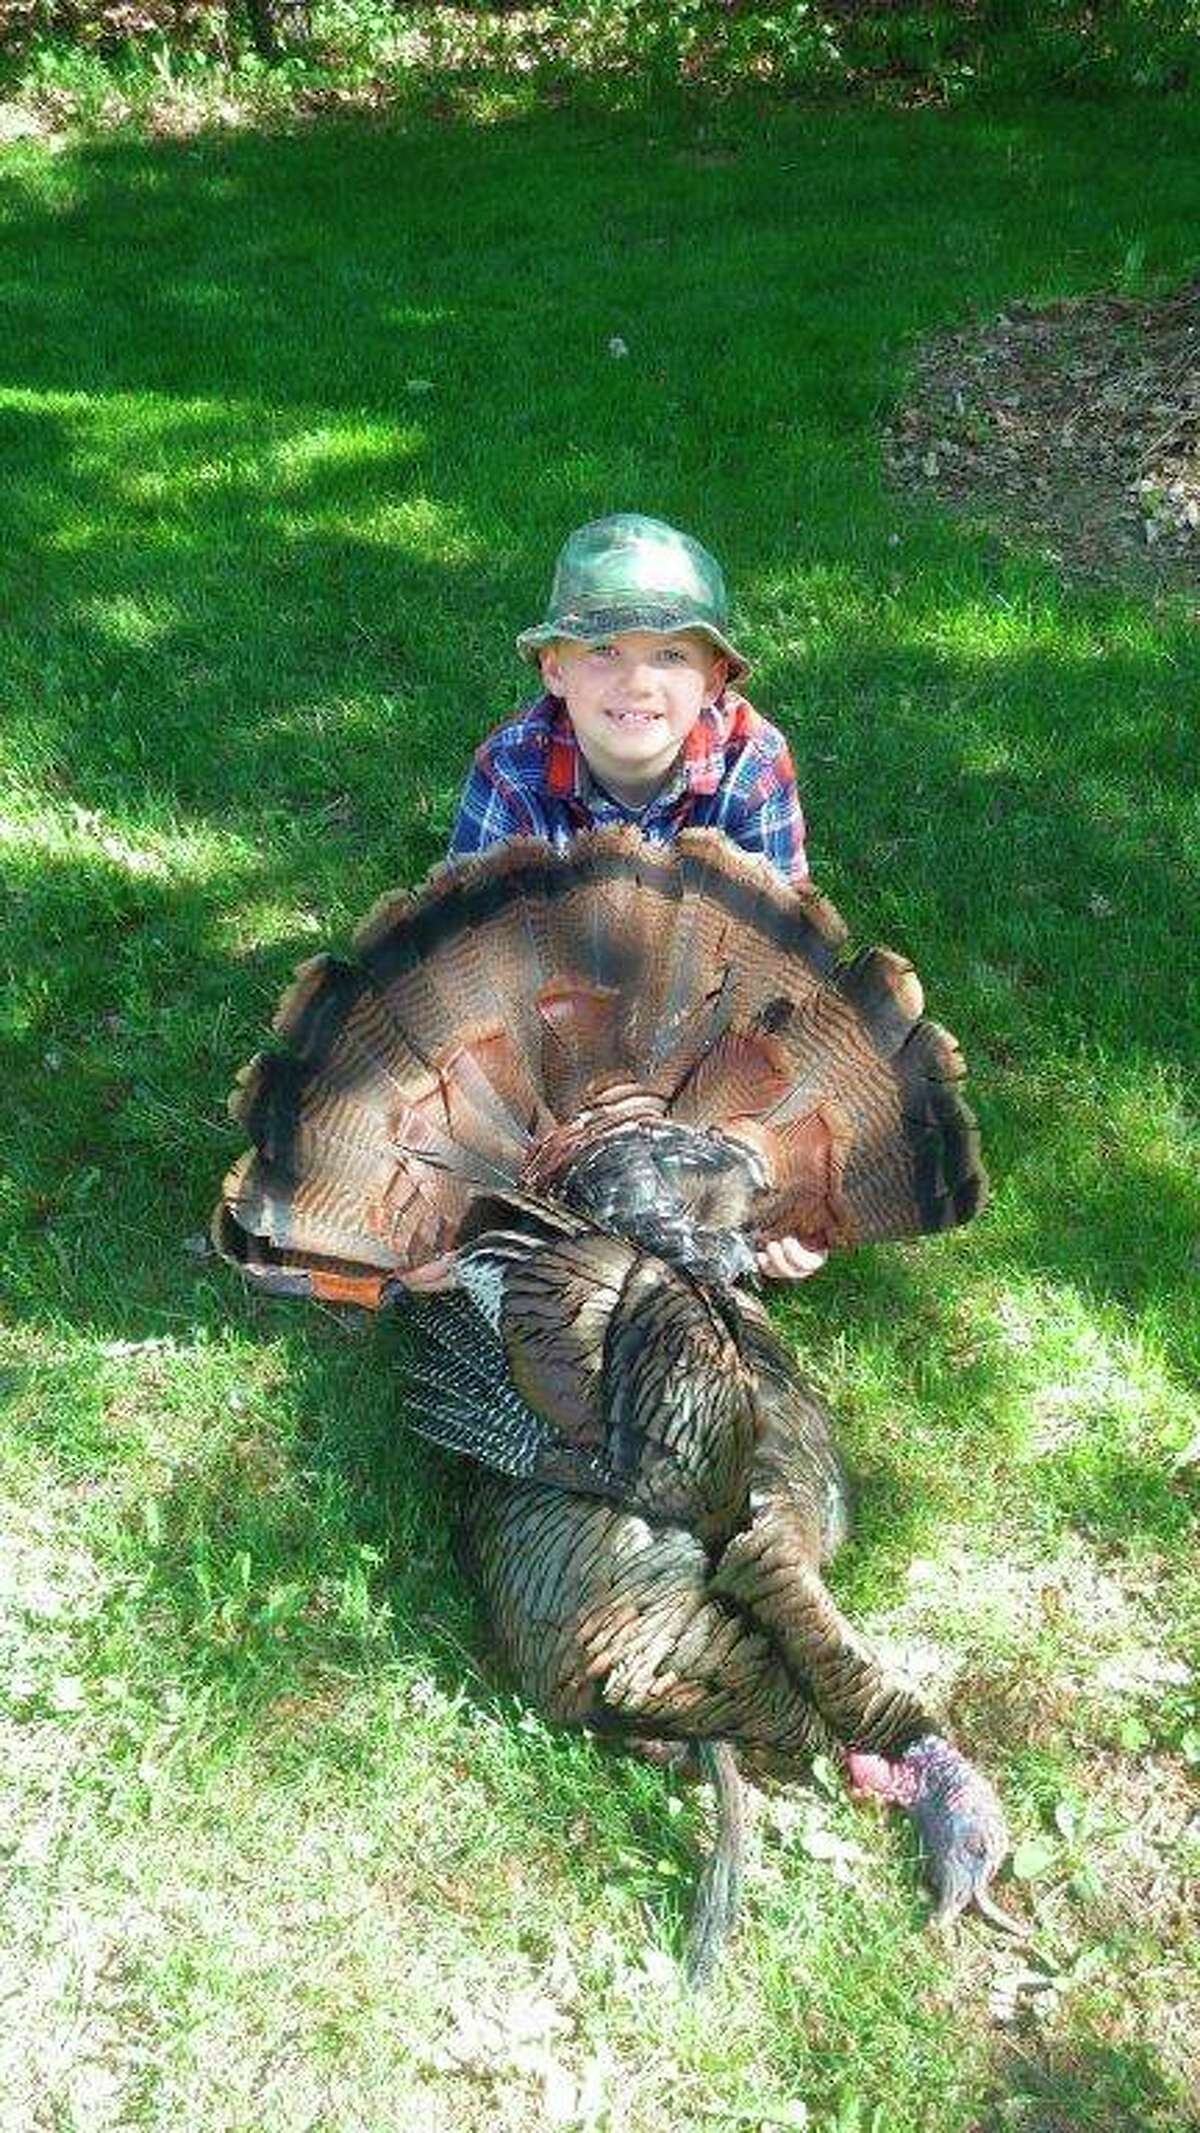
x: 632, y: 700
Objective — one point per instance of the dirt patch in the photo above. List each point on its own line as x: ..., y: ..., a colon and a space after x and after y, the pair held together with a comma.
x: 19, y: 122
x: 1077, y: 425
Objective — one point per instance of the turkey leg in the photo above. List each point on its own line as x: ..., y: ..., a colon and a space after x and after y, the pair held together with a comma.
x: 893, y: 1750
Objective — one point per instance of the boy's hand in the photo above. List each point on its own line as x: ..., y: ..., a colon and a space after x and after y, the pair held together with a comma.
x: 787, y: 1259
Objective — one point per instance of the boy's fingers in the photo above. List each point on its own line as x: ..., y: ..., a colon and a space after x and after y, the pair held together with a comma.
x: 786, y: 1259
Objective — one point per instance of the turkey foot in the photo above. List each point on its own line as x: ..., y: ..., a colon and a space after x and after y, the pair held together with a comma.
x: 958, y: 1818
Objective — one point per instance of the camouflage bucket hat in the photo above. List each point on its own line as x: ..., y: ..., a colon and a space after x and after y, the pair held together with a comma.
x: 628, y: 572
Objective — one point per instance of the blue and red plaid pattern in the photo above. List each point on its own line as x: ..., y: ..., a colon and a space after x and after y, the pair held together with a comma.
x: 531, y: 779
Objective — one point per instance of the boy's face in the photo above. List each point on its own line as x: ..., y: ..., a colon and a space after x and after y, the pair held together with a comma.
x: 633, y: 699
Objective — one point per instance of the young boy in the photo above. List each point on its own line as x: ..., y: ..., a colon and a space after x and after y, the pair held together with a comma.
x: 639, y: 722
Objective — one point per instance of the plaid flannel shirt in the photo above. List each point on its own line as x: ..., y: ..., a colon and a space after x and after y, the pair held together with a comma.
x: 531, y: 779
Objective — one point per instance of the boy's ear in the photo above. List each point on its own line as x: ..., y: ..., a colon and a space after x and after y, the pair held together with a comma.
x: 718, y: 675
x: 551, y: 666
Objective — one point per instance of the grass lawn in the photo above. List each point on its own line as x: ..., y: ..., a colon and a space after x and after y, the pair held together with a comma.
x: 291, y: 429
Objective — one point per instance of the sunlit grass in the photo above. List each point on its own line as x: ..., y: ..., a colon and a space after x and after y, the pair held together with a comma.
x: 292, y: 429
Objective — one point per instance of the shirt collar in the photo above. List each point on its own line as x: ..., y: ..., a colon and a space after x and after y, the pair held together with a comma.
x: 700, y: 766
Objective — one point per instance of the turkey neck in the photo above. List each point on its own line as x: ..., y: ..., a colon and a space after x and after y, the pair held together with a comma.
x: 763, y: 1571
x: 771, y: 1568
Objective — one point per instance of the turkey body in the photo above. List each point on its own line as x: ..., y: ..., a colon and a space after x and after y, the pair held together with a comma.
x: 595, y: 1084
x: 634, y: 1625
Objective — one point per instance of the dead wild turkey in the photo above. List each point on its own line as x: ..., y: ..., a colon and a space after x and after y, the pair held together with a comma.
x: 593, y: 1083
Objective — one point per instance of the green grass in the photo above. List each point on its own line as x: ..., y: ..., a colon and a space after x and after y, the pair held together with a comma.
x: 291, y: 428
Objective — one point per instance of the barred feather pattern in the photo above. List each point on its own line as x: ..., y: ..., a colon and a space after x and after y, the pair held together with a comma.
x: 499, y: 1024
x: 613, y: 1619
x: 605, y: 1619
x: 599, y: 1082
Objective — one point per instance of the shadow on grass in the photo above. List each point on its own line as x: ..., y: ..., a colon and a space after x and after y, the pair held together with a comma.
x: 1077, y: 2086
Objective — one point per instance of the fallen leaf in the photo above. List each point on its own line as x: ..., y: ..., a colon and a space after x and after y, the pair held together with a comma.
x: 1032, y: 1857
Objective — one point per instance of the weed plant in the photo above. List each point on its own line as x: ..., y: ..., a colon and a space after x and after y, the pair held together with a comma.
x: 166, y: 62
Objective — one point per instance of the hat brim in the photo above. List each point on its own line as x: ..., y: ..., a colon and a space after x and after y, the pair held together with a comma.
x: 610, y: 622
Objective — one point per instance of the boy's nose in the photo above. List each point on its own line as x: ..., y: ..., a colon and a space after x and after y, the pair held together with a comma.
x: 638, y: 678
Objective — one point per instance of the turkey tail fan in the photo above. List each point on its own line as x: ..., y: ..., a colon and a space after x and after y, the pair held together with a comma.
x: 827, y: 1069
x: 370, y: 1144
x: 525, y: 1003
x: 721, y: 956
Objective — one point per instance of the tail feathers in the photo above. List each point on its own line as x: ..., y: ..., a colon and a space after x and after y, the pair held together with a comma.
x: 884, y: 993
x: 740, y: 1073
x: 803, y: 1042
x: 686, y: 1041
x: 604, y: 932
x: 524, y: 1002
x: 327, y: 1214
x: 438, y: 981
x: 343, y: 1030
x: 326, y: 1175
x: 762, y: 931
x: 740, y: 925
x: 805, y: 1163
x: 279, y: 1273
x: 914, y: 1163
x: 719, y: 1894
x: 851, y: 1101
x: 674, y: 981
x: 530, y: 961
x: 336, y: 1025
x: 582, y: 1026
x: 275, y: 1099
x: 526, y: 946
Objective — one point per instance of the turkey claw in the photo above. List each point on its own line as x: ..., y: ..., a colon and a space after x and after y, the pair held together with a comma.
x: 956, y: 1892
x: 996, y: 1916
